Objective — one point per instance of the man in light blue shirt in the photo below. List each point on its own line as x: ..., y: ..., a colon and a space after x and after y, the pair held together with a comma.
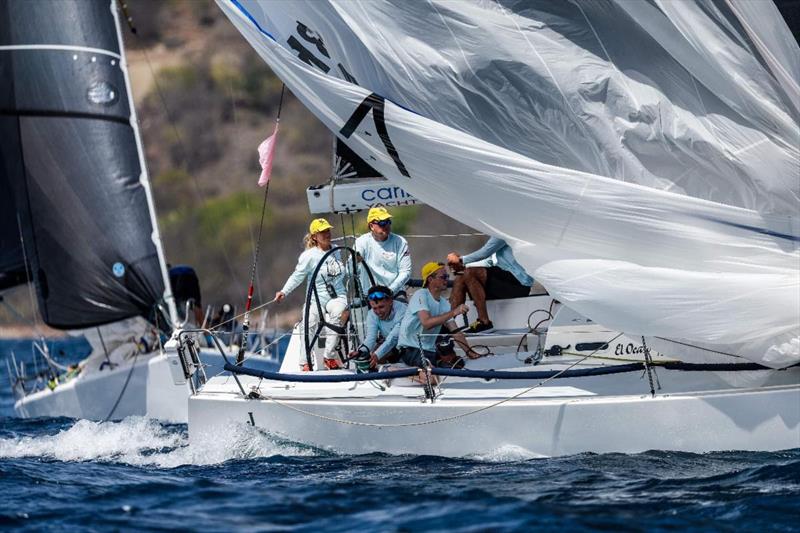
x: 385, y: 253
x: 505, y: 280
x: 383, y: 320
x: 429, y: 313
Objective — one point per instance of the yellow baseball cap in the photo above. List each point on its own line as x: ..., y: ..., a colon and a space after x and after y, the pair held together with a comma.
x: 378, y: 213
x: 319, y: 224
x: 429, y: 269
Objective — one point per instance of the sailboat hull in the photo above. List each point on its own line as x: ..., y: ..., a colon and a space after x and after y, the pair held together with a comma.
x: 143, y: 388
x: 764, y: 418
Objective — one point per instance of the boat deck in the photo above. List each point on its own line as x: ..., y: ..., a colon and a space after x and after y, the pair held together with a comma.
x: 460, y: 388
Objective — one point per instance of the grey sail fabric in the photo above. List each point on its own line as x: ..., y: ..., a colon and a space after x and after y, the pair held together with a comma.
x: 69, y: 154
x: 641, y: 157
x: 615, y: 88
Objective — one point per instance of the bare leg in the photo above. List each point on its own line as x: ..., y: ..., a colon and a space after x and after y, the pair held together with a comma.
x: 475, y: 281
x: 459, y: 293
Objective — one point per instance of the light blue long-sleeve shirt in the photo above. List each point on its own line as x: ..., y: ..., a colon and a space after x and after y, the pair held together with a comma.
x: 330, y: 275
x: 389, y: 260
x: 411, y: 333
x: 505, y: 259
x: 389, y: 328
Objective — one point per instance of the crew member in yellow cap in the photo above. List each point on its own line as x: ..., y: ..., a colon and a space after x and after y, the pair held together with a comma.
x: 329, y: 285
x: 385, y: 253
x: 427, y: 315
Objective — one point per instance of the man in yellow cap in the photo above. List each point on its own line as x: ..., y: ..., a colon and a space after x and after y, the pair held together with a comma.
x: 385, y: 253
x: 427, y: 314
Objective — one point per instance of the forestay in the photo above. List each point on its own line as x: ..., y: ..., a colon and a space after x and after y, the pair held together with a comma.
x: 640, y: 157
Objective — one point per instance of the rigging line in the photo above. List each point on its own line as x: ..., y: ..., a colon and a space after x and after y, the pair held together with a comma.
x: 124, y: 387
x: 344, y: 236
x: 50, y: 361
x: 246, y: 197
x: 261, y: 351
x: 105, y: 350
x: 648, y: 368
x: 253, y: 270
x: 357, y: 290
x: 699, y: 347
x: 29, y: 273
x: 419, y: 236
x: 185, y: 153
x: 653, y: 362
x: 256, y: 308
x: 353, y: 280
x: 266, y: 193
x: 437, y: 420
x: 353, y: 230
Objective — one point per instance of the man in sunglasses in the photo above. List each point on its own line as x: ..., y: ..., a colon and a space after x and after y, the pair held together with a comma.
x: 383, y: 321
x: 428, y: 314
x: 385, y: 253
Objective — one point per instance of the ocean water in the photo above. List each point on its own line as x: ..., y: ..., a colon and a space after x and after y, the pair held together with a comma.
x: 138, y: 474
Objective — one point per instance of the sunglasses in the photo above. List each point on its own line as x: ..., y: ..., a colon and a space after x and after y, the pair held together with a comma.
x: 378, y: 295
x: 442, y: 276
x: 383, y: 223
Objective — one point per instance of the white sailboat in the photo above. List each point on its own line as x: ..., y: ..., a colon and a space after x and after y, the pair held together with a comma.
x: 80, y: 219
x: 640, y: 158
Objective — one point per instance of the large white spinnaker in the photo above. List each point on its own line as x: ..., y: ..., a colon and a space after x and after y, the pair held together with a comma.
x: 634, y: 241
x: 681, y: 96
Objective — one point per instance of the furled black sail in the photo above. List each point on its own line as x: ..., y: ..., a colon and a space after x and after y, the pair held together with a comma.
x: 69, y: 153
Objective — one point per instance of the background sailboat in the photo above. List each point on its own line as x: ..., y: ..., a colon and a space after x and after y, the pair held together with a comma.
x: 79, y: 200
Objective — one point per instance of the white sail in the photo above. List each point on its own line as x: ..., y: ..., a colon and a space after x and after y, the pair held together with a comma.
x: 640, y: 157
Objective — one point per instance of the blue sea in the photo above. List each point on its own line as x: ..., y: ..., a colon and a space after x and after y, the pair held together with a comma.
x: 139, y: 474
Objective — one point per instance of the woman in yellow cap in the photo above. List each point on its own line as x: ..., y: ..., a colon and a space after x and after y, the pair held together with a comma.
x: 329, y: 285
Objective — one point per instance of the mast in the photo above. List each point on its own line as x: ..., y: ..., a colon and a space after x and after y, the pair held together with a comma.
x: 145, y: 176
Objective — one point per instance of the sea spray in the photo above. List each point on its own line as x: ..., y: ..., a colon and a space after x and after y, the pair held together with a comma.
x: 144, y: 442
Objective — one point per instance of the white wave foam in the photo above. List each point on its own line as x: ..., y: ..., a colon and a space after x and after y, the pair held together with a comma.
x: 145, y: 442
x: 508, y: 453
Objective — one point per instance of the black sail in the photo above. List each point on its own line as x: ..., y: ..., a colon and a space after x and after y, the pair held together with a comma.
x: 69, y: 153
x: 12, y: 258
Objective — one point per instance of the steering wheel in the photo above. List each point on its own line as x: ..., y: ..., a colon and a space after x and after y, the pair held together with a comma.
x: 354, y: 294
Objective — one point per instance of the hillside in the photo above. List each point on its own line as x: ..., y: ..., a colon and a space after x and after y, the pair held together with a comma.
x: 205, y: 101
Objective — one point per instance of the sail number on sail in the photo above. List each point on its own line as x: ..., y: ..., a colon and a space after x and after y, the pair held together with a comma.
x: 373, y: 102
